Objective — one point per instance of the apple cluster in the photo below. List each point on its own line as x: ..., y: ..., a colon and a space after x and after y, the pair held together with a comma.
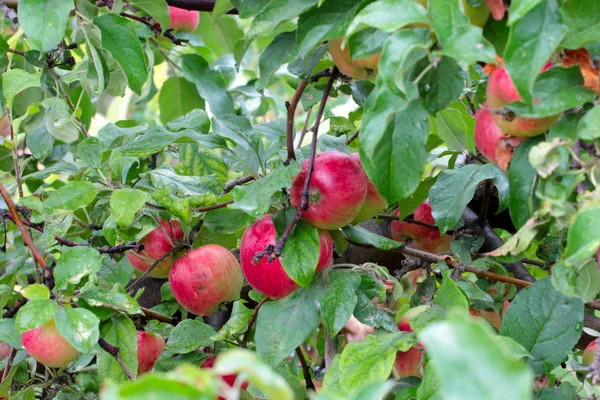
x: 498, y: 131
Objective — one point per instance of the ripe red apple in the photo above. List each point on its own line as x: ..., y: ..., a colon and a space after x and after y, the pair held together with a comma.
x: 184, y: 20
x: 156, y: 244
x: 589, y: 353
x: 421, y: 237
x: 206, y: 277
x: 362, y: 69
x: 374, y: 203
x: 47, y: 346
x: 494, y: 144
x: 270, y: 278
x: 209, y: 363
x: 150, y: 346
x: 337, y: 190
x: 500, y: 92
x: 408, y: 362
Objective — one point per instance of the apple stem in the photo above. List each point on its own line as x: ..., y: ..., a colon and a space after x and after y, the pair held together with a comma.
x: 305, y: 370
x: 114, y: 351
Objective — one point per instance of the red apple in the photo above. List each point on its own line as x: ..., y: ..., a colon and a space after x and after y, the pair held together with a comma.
x: 184, y: 20
x: 500, y: 92
x: 494, y: 144
x: 150, y: 346
x: 408, y: 362
x: 421, y: 237
x: 589, y: 353
x: 362, y: 69
x: 156, y: 244
x: 374, y: 203
x: 337, y: 190
x: 47, y: 346
x: 491, y: 316
x: 206, y: 277
x: 209, y: 363
x: 270, y: 278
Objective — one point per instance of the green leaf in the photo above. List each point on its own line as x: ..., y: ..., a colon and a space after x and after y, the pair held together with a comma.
x: 285, y: 324
x: 368, y: 313
x: 40, y: 142
x: 246, y: 363
x: 518, y: 9
x: 274, y: 13
x: 177, y: 97
x: 36, y: 292
x: 190, y: 335
x: 522, y: 178
x: 471, y: 365
x: 566, y: 391
x: 459, y: 39
x: 9, y: 334
x: 395, y: 157
x: 531, y: 42
x: 430, y: 389
x: 339, y: 299
x: 196, y: 120
x: 35, y: 313
x: 387, y: 16
x: 582, y: 19
x: 227, y: 221
x: 280, y: 51
x: 453, y: 191
x: 44, y: 21
x: 119, y: 37
x: 101, y: 298
x: 15, y: 81
x: 453, y: 124
x: 125, y: 203
x: 441, y: 85
x: 300, y: 255
x: 202, y: 162
x: 360, y: 235
x: 372, y: 359
x: 155, y: 140
x: 185, y: 186
x: 210, y: 83
x: 546, y: 322
x: 545, y: 157
x: 90, y: 151
x: 120, y: 332
x: 584, y: 237
x: 581, y: 281
x: 156, y: 8
x: 240, y: 315
x: 449, y: 296
x: 80, y: 327
x: 76, y: 263
x: 255, y: 198
x: 589, y: 126
x: 70, y: 197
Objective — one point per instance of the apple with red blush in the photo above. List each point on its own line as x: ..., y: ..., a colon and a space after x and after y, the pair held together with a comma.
x: 150, y: 347
x: 48, y: 346
x: 183, y: 20
x: 418, y: 236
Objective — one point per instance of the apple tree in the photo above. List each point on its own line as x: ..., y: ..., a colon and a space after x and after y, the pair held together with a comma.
x: 299, y: 199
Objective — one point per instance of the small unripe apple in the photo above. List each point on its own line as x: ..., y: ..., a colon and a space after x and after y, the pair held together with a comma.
x: 48, y: 346
x: 374, y: 203
x: 269, y: 278
x: 500, y: 92
x: 206, y: 277
x: 420, y: 237
x: 589, y: 353
x: 156, y: 244
x: 209, y: 363
x: 183, y: 20
x: 150, y: 346
x: 494, y: 144
x: 362, y: 69
x: 337, y: 190
x: 408, y: 362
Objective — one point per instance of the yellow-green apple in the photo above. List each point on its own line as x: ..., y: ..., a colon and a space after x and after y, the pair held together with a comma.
x: 361, y: 69
x: 421, y: 237
x: 204, y: 278
x: 374, y: 203
x: 150, y: 346
x: 336, y: 193
x: 183, y: 20
x: 494, y: 144
x: 156, y: 244
x: 500, y: 92
x: 229, y: 380
x: 47, y: 346
x: 270, y: 278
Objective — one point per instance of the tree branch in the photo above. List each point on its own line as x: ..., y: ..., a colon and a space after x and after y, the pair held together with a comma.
x: 305, y: 369
x: 289, y: 127
x: 149, y: 314
x: 11, y: 357
x: 351, y: 138
x: 228, y: 187
x: 251, y: 321
x: 114, y: 351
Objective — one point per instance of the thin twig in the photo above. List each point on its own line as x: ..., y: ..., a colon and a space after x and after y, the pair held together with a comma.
x: 291, y: 112
x: 130, y: 288
x: 228, y: 187
x: 351, y: 138
x: 214, y: 207
x: 149, y: 314
x: 299, y: 139
x: 194, y: 231
x: 114, y: 351
x: 12, y: 310
x: 409, y: 220
x: 305, y: 369
x: 331, y: 347
x: 251, y: 321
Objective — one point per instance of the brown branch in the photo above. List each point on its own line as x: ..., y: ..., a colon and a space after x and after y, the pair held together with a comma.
x: 136, y: 282
x: 289, y: 127
x: 305, y: 369
x: 485, y: 202
x: 228, y: 187
x: 149, y: 314
x: 14, y: 51
x: 114, y: 351
x: 331, y: 347
x: 213, y: 207
x: 198, y: 5
x: 410, y: 220
x: 12, y: 310
x: 194, y: 231
x: 351, y: 138
x: 252, y: 320
x: 11, y: 357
